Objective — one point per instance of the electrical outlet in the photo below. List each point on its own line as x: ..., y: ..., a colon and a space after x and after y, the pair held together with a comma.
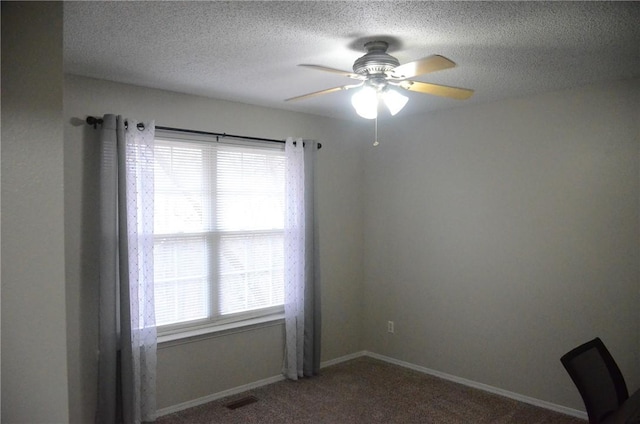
x: 390, y: 328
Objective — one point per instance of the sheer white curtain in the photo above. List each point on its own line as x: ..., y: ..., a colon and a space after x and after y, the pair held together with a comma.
x: 127, y: 361
x: 294, y: 258
x: 302, y: 280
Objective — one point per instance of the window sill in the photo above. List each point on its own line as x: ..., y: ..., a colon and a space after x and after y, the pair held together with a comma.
x: 188, y: 336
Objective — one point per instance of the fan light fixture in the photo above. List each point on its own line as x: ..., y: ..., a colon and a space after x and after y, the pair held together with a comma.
x: 365, y: 101
x: 394, y: 100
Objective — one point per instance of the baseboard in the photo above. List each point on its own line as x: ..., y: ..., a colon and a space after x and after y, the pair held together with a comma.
x: 219, y: 395
x: 485, y: 387
x: 344, y: 358
x: 335, y: 361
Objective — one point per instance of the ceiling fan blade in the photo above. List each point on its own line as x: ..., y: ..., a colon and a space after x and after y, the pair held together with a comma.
x: 422, y: 66
x: 437, y: 90
x: 327, y: 91
x: 334, y: 71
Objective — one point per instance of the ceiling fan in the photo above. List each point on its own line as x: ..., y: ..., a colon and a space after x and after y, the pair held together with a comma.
x: 379, y: 72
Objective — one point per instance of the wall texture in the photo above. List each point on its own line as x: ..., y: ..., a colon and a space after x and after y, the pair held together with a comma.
x: 194, y: 370
x: 34, y: 354
x: 499, y: 236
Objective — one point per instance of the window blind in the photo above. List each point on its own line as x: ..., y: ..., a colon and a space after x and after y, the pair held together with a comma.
x: 219, y: 228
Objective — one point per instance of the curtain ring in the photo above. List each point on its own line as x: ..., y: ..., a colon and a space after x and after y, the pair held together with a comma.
x: 140, y: 125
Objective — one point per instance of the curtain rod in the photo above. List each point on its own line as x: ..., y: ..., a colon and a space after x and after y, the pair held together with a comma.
x: 92, y: 120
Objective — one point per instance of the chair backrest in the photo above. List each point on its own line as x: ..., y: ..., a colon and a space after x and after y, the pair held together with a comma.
x: 597, y: 377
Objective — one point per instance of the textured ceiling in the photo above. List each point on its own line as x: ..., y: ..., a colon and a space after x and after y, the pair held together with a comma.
x: 248, y: 51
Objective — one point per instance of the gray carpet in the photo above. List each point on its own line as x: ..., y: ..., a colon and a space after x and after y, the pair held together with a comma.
x: 369, y: 391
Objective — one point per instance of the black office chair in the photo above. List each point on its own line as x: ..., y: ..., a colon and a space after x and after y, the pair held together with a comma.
x: 597, y: 377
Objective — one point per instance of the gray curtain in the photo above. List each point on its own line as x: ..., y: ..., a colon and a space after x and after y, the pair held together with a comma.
x: 127, y: 339
x: 312, y: 309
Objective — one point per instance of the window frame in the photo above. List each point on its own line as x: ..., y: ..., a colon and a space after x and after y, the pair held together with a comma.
x: 215, y: 323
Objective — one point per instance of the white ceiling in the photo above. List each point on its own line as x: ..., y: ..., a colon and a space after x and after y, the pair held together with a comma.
x: 248, y: 51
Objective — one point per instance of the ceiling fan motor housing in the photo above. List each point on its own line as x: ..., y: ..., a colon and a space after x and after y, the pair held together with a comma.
x: 376, y: 61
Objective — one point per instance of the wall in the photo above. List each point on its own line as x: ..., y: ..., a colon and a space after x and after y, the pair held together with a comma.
x: 34, y: 371
x: 189, y: 371
x: 500, y: 236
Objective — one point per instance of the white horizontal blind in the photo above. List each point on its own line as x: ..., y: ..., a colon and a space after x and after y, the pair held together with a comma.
x: 219, y: 228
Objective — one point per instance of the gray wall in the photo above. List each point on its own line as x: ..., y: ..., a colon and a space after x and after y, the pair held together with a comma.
x: 34, y: 355
x: 499, y: 236
x: 193, y: 370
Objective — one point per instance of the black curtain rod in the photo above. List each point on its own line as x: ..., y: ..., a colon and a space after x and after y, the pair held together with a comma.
x: 92, y: 120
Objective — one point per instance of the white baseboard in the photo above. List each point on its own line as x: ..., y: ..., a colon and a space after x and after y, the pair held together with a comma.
x: 445, y: 376
x: 343, y: 359
x: 219, y: 395
x: 485, y: 387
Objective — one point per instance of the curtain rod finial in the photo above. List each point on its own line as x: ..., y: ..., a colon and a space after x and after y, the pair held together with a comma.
x: 92, y: 120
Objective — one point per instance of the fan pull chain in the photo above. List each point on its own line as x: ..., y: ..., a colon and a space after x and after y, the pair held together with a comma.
x: 375, y: 139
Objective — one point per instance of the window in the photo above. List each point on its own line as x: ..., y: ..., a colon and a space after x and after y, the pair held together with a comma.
x: 219, y: 231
